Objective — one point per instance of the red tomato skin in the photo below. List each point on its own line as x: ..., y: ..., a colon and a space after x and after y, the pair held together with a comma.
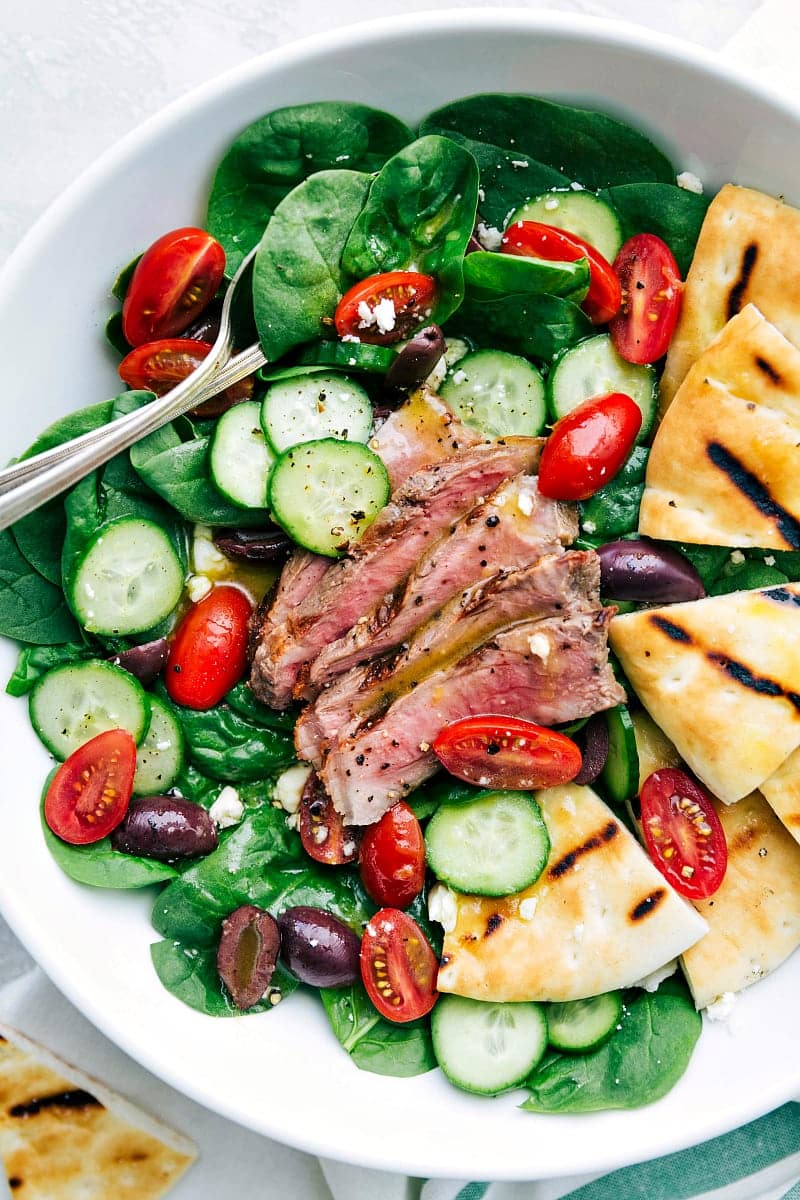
x: 208, y: 652
x: 82, y: 810
x: 398, y: 966
x: 392, y: 858
x: 324, y: 835
x: 683, y: 832
x: 588, y: 447
x: 173, y: 282
x: 414, y: 297
x: 507, y: 753
x: 642, y: 330
x: 160, y: 366
x: 534, y: 239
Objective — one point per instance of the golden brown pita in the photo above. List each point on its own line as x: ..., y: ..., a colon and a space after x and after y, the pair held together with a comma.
x: 748, y: 252
x: 724, y: 469
x: 599, y: 917
x: 782, y: 792
x: 65, y: 1136
x: 754, y: 917
x: 721, y: 677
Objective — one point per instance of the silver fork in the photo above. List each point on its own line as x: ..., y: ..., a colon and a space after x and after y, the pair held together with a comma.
x: 27, y: 485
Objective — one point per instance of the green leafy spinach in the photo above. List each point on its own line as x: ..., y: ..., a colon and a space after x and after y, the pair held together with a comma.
x: 374, y: 1044
x: 672, y: 213
x: 190, y: 974
x: 537, y: 326
x: 488, y: 273
x: 613, y: 512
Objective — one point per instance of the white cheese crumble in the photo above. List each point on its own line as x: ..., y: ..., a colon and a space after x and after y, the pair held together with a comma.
x: 383, y: 315
x: 527, y: 907
x: 289, y: 787
x: 206, y: 558
x: 690, y: 182
x: 437, y: 376
x: 442, y: 907
x: 489, y: 237
x: 552, y: 204
x: 350, y: 337
x: 722, y: 1008
x: 653, y: 981
x: 519, y: 163
x: 197, y: 587
x: 737, y: 557
x: 459, y: 376
x: 769, y: 560
x: 227, y: 809
x: 525, y: 503
x: 589, y: 527
x: 539, y: 644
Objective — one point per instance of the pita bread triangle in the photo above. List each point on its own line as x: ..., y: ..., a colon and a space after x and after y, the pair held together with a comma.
x: 599, y: 917
x: 65, y: 1136
x: 782, y: 793
x: 754, y: 917
x: 747, y: 253
x: 724, y: 469
x: 721, y: 677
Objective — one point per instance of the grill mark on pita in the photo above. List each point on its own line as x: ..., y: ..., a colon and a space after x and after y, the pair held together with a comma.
x: 75, y: 1098
x: 764, y: 365
x: 595, y: 842
x: 782, y: 595
x: 756, y: 492
x: 736, y: 294
x: 493, y: 924
x: 15, y: 1182
x: 647, y: 906
x: 745, y: 838
x: 747, y: 678
x: 672, y: 630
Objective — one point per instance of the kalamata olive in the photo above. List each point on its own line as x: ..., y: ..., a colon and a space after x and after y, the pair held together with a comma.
x: 416, y: 360
x: 473, y: 244
x: 146, y: 662
x: 593, y: 741
x: 641, y: 570
x: 247, y: 953
x: 167, y: 828
x: 253, y: 545
x: 318, y: 948
x: 206, y: 327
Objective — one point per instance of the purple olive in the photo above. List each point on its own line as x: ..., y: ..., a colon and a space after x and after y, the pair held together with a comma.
x: 167, y: 828
x: 318, y: 948
x: 270, y: 545
x: 247, y: 953
x: 416, y: 360
x: 593, y: 741
x: 146, y: 662
x: 641, y: 570
x: 206, y: 327
x: 473, y: 244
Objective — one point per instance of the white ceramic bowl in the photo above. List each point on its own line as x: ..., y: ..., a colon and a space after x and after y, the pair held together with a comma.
x: 283, y: 1073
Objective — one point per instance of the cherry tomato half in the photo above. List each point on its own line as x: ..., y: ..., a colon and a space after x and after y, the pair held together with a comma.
x: 160, y: 366
x: 533, y: 239
x: 588, y: 446
x: 652, y: 293
x: 683, y: 833
x: 173, y: 282
x: 324, y: 835
x: 412, y: 295
x: 398, y: 966
x: 507, y: 753
x: 392, y: 858
x: 90, y: 792
x: 208, y: 652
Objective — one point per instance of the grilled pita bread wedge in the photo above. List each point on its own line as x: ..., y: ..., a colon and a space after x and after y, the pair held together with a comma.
x: 754, y: 917
x: 721, y: 677
x: 65, y: 1136
x: 747, y: 253
x: 782, y: 793
x: 599, y: 917
x: 725, y: 465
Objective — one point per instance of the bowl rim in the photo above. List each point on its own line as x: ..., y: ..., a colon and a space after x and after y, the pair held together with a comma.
x: 614, y: 33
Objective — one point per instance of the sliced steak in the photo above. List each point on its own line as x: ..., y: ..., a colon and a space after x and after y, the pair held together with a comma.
x: 512, y: 529
x: 546, y: 671
x: 419, y: 512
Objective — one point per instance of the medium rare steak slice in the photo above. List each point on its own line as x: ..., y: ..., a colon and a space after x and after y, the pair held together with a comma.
x: 564, y: 583
x: 419, y: 512
x: 546, y: 671
x: 512, y: 529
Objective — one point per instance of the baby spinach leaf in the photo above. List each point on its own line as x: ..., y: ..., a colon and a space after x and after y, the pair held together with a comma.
x: 536, y: 326
x: 243, y: 700
x: 588, y: 147
x: 670, y: 212
x: 736, y: 577
x: 419, y: 216
x: 190, y: 974
x: 488, y: 274
x: 114, y: 335
x: 614, y: 510
x: 32, y: 609
x: 297, y: 277
x: 35, y: 661
x: 98, y: 865
x: 119, y: 288
x: 280, y: 150
x: 196, y: 786
x: 639, y: 1064
x: 707, y: 560
x: 374, y: 1044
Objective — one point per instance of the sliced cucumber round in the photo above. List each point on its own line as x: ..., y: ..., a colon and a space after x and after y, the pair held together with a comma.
x: 314, y: 407
x: 72, y: 704
x: 487, y: 1048
x: 160, y: 756
x: 355, y: 356
x: 593, y: 368
x: 129, y: 579
x: 498, y: 393
x: 326, y: 493
x: 620, y: 776
x: 582, y: 213
x: 578, y: 1026
x: 494, y: 845
x: 240, y: 458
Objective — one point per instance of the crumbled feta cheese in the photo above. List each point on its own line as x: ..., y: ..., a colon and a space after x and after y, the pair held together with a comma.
x: 383, y: 315
x: 481, y: 195
x: 539, y: 644
x: 525, y: 503
x: 437, y: 376
x: 589, y: 527
x: 206, y: 558
x: 769, y: 560
x: 442, y: 907
x: 519, y: 163
x: 552, y: 204
x: 653, y: 981
x: 690, y: 182
x: 227, y: 809
x: 197, y: 587
x: 722, y: 1008
x: 737, y: 557
x: 527, y: 907
x: 489, y: 237
x: 350, y: 337
x: 576, y: 187
x: 348, y: 848
x: 424, y: 747
x: 342, y: 157
x: 459, y: 376
x: 289, y: 786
